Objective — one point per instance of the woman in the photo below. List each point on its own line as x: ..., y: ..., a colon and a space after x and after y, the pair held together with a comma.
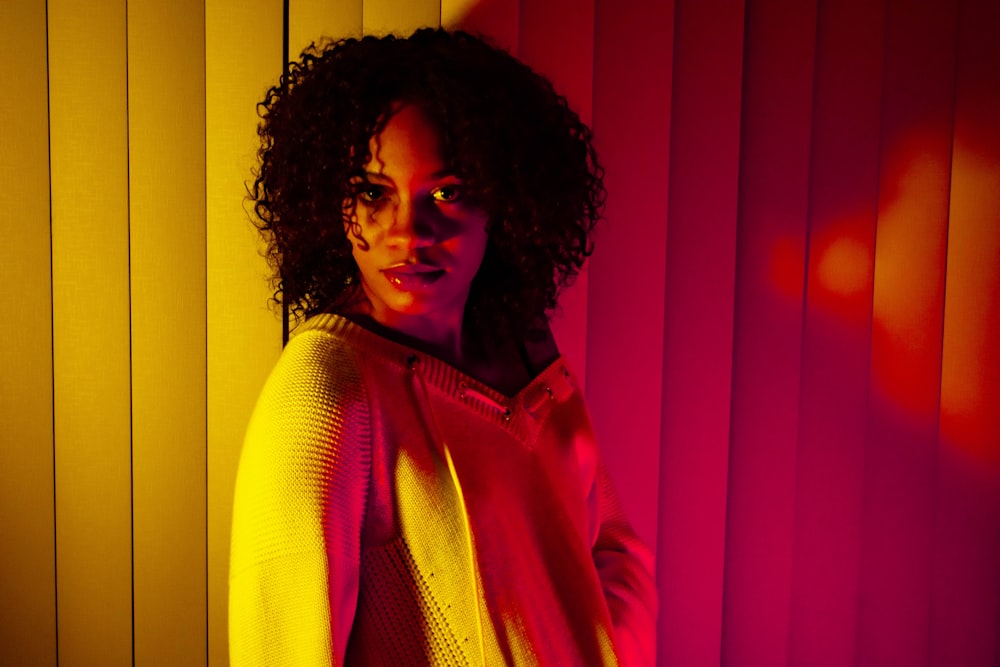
x: 419, y: 482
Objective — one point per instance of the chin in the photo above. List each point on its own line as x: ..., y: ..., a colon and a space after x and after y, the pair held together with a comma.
x: 410, y: 307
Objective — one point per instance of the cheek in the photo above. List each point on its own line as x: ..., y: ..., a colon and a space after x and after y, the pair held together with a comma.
x: 362, y: 231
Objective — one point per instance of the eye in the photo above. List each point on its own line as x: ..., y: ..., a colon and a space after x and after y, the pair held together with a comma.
x: 370, y: 193
x: 447, y: 193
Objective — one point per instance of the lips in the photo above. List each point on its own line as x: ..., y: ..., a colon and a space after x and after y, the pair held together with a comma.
x: 409, y: 277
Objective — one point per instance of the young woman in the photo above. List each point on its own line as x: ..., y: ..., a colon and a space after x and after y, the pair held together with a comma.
x: 419, y: 483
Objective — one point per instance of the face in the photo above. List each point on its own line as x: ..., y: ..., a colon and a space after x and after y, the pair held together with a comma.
x: 419, y: 238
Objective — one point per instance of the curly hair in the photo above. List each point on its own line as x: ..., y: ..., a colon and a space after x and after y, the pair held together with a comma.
x: 505, y: 132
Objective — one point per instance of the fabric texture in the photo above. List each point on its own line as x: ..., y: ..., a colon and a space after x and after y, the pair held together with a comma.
x: 390, y: 510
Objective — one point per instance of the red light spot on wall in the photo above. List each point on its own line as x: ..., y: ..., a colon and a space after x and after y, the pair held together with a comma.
x: 845, y: 268
x: 841, y: 268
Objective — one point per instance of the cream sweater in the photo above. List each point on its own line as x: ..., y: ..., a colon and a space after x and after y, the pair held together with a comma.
x: 390, y: 510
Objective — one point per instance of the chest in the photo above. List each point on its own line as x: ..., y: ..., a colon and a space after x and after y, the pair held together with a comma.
x: 519, y: 466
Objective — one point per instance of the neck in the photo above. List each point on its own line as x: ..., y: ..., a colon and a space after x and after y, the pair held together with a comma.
x: 437, y: 335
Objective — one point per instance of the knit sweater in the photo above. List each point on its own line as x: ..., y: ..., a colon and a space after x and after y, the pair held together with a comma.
x: 390, y: 510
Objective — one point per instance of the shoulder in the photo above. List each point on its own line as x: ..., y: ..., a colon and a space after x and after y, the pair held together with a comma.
x: 315, y: 391
x: 318, y: 362
x: 307, y: 441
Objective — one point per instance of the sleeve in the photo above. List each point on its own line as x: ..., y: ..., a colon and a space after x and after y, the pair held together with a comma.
x: 298, y: 511
x: 625, y: 567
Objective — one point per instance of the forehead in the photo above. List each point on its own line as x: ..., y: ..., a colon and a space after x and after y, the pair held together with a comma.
x: 408, y: 146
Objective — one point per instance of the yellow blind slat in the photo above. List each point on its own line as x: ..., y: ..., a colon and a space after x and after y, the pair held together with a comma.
x: 27, y: 573
x: 91, y: 349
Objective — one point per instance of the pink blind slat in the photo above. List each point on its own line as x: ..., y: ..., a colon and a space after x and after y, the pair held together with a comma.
x: 965, y: 589
x: 698, y: 329
x: 770, y: 269
x: 566, y: 57
x: 843, y: 185
x: 627, y: 271
x: 907, y: 308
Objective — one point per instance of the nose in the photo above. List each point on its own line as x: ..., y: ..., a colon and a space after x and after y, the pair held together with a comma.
x: 411, y: 224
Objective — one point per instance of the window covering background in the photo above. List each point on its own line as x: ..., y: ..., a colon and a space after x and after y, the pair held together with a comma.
x: 788, y: 329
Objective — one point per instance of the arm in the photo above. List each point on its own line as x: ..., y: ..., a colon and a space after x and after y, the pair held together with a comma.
x: 625, y: 567
x: 298, y: 509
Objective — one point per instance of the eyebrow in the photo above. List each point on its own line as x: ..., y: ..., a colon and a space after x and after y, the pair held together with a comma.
x: 437, y: 175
